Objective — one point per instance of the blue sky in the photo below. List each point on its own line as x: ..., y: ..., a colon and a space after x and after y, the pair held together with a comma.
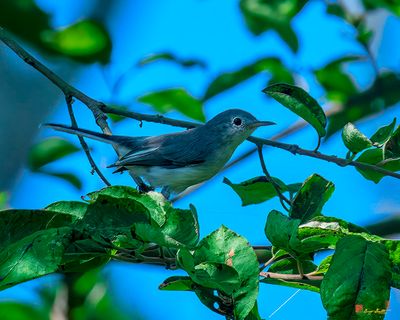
x: 214, y: 31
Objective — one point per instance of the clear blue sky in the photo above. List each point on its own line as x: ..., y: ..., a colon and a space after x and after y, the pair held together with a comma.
x: 213, y: 31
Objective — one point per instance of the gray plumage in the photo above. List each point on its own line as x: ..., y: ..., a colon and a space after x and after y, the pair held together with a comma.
x: 179, y: 160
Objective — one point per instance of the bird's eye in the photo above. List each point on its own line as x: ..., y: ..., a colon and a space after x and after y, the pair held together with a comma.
x: 237, y: 121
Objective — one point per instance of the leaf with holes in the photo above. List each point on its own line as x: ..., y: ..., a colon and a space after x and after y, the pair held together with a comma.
x: 300, y: 102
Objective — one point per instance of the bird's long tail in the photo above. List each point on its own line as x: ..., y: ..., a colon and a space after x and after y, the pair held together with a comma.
x: 82, y: 132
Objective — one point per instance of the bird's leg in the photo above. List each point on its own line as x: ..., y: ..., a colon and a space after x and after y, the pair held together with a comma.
x: 165, y: 192
x: 141, y: 185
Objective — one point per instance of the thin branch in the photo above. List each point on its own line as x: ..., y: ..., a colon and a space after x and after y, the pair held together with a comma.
x: 98, y: 109
x: 282, y: 276
x: 85, y: 147
x: 282, y: 198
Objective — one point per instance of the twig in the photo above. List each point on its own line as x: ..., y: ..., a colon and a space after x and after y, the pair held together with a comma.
x: 85, y: 147
x: 98, y: 109
x: 282, y: 198
x: 282, y: 276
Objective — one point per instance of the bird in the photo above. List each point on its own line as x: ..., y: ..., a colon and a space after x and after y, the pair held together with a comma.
x: 176, y: 161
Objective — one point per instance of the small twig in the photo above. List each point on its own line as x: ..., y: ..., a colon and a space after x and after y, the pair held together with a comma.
x: 85, y: 147
x: 283, y: 276
x: 282, y: 198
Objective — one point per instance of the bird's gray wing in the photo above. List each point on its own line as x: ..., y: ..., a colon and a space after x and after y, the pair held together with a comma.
x: 169, y: 151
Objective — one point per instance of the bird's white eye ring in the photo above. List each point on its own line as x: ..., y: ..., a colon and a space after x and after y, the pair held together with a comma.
x: 237, y: 121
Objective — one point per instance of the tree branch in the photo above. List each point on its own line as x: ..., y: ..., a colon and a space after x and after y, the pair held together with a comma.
x: 85, y: 147
x: 98, y: 109
x: 283, y: 276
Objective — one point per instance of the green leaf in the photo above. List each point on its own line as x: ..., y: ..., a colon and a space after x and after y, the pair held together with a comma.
x: 3, y: 200
x: 337, y: 84
x: 217, y: 276
x: 177, y: 283
x: 310, y: 199
x: 226, y: 81
x: 392, y: 146
x: 354, y: 139
x: 281, y: 230
x: 187, y: 63
x: 383, y: 134
x: 301, y: 103
x: 49, y: 150
x: 18, y: 311
x: 305, y: 284
x: 361, y: 287
x: 255, y: 190
x: 392, y: 6
x: 68, y: 177
x: 375, y: 157
x: 261, y: 16
x: 33, y: 256
x: 324, y: 265
x: 175, y: 99
x: 380, y: 96
x: 86, y: 40
x: 253, y: 315
x: 289, y: 266
x: 223, y: 246
x: 393, y: 247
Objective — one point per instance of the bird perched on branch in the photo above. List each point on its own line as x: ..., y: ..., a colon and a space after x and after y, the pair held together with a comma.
x: 179, y: 160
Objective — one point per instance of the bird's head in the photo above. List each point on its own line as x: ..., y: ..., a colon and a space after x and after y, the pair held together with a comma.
x: 235, y: 125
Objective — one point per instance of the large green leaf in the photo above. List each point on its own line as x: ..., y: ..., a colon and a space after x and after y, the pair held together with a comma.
x: 173, y: 58
x: 337, y: 84
x: 262, y: 15
x: 301, y: 103
x: 256, y: 190
x: 311, y: 197
x: 49, y: 150
x: 363, y: 286
x: 354, y: 139
x: 85, y: 40
x: 376, y: 157
x: 175, y: 99
x: 381, y: 95
x: 224, y: 247
x: 225, y: 81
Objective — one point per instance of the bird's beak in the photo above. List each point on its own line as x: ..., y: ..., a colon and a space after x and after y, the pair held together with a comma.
x: 257, y: 124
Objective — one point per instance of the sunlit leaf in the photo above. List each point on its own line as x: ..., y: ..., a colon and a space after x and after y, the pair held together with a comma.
x: 301, y: 103
x: 364, y: 282
x: 172, y: 58
x: 49, y: 150
x: 175, y: 100
x: 392, y: 146
x: 86, y: 40
x: 354, y: 139
x: 261, y: 16
x: 375, y: 157
x: 225, y: 81
x: 177, y: 283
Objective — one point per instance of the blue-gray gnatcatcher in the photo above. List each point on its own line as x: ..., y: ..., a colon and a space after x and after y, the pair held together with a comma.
x: 179, y: 160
